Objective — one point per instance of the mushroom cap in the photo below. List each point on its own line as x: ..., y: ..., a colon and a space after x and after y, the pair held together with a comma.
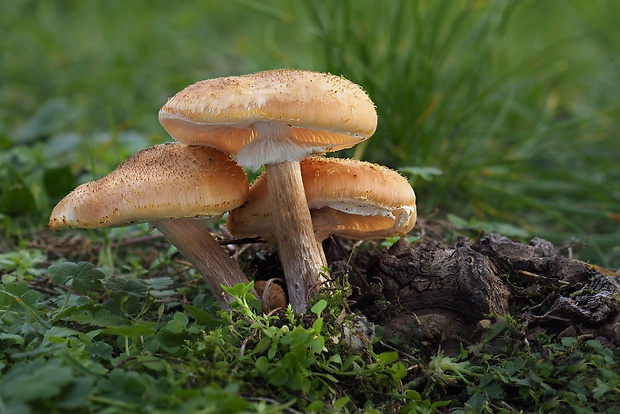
x: 162, y: 182
x: 328, y: 221
x: 346, y: 197
x: 319, y: 112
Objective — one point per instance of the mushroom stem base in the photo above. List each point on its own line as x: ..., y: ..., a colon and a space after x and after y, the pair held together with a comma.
x: 198, y: 246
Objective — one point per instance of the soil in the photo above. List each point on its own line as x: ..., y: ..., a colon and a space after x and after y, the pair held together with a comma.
x: 447, y: 294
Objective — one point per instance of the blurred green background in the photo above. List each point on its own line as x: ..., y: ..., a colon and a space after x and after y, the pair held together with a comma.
x: 505, y: 115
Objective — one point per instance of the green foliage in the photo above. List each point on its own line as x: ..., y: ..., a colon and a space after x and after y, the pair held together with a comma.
x: 127, y: 345
x: 21, y: 264
x: 16, y: 197
x: 489, y: 106
x: 574, y: 374
x: 81, y: 276
x: 294, y: 357
x: 480, y: 226
x: 106, y: 352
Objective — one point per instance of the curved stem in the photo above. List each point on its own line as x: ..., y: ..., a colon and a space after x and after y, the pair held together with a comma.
x: 198, y: 246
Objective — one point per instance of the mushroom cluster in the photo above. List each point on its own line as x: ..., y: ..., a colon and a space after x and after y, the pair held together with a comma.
x: 279, y: 119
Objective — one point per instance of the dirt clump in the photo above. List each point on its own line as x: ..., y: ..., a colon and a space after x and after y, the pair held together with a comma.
x: 431, y: 291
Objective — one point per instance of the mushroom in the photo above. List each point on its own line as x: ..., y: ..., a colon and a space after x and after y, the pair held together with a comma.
x: 172, y: 186
x: 271, y: 294
x: 346, y: 197
x: 277, y: 118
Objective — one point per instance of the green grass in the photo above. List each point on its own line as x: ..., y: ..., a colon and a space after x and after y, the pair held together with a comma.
x: 515, y: 102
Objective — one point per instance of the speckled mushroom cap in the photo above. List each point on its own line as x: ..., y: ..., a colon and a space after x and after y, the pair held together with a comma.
x: 162, y: 182
x: 346, y: 197
x: 318, y: 112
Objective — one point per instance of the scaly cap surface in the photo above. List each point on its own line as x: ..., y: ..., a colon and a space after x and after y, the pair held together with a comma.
x: 318, y: 112
x: 161, y: 182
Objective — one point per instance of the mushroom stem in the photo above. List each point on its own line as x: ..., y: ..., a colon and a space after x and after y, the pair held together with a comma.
x: 320, y: 224
x: 198, y: 246
x: 297, y: 247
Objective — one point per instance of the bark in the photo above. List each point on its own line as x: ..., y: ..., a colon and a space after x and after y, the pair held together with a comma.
x: 432, y: 291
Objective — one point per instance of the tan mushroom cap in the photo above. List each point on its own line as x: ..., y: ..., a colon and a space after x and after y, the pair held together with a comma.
x: 162, y: 182
x: 320, y: 113
x: 346, y: 197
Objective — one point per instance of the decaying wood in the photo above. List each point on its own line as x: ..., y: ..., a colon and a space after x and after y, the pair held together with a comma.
x: 436, y: 291
x: 432, y: 291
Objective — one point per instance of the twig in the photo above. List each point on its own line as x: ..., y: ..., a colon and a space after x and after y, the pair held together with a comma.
x: 247, y: 240
x: 537, y: 276
x: 351, y: 262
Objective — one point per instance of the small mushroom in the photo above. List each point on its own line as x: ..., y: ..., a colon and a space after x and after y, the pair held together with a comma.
x: 346, y: 197
x: 271, y: 294
x: 172, y: 186
x: 277, y: 118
